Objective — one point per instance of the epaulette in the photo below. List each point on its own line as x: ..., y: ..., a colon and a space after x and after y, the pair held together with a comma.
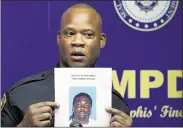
x: 33, y: 78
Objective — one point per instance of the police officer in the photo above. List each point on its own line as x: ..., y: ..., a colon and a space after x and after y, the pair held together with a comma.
x: 30, y: 102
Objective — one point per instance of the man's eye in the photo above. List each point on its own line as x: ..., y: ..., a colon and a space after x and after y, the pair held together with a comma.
x: 78, y: 105
x: 89, y: 35
x: 68, y: 33
x: 86, y: 105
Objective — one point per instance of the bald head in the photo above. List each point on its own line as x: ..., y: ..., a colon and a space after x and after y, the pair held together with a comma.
x: 82, y: 8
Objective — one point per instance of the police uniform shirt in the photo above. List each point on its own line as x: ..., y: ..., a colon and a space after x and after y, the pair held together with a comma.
x: 35, y: 89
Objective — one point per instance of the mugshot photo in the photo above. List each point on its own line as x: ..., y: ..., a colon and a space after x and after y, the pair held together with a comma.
x: 82, y: 104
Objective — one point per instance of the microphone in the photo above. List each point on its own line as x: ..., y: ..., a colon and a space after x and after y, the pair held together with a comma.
x: 75, y: 124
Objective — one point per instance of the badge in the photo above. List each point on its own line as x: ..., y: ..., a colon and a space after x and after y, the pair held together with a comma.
x: 3, y: 102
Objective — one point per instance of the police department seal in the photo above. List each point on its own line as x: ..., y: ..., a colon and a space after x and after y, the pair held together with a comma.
x: 146, y: 15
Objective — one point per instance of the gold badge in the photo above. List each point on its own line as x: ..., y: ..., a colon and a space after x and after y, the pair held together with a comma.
x: 3, y: 101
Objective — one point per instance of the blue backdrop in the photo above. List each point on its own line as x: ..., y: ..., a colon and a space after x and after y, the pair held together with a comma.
x: 29, y: 31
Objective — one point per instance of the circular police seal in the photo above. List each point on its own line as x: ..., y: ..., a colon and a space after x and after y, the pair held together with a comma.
x: 146, y: 15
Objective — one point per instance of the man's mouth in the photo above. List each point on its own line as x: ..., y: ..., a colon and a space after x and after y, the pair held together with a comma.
x: 77, y: 56
x: 82, y: 113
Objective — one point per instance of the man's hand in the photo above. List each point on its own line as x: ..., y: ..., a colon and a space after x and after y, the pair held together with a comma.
x: 39, y: 114
x: 120, y: 119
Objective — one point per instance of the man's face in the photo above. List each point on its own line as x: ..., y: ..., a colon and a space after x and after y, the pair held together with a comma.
x: 80, y: 38
x: 82, y: 108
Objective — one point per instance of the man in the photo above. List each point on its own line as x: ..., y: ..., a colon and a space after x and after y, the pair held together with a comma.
x: 31, y: 101
x: 82, y: 105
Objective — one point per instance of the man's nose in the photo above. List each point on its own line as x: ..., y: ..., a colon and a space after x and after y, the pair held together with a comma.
x: 78, y: 41
x: 82, y: 107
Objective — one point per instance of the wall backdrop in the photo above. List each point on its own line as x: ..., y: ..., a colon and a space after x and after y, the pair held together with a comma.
x: 144, y: 48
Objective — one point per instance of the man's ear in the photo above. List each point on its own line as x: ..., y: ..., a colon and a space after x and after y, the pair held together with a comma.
x: 102, y: 40
x: 58, y: 38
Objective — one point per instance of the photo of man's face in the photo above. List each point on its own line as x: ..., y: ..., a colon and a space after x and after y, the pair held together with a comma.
x: 82, y: 108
